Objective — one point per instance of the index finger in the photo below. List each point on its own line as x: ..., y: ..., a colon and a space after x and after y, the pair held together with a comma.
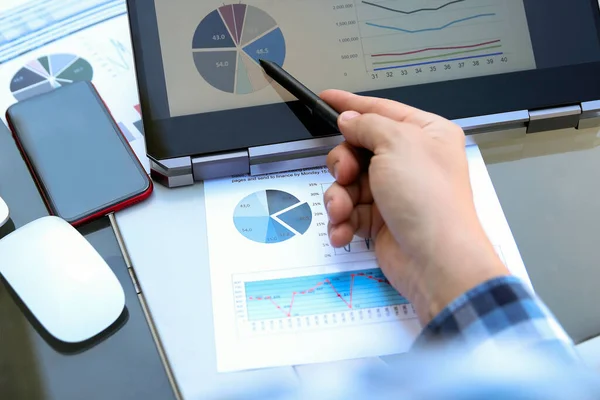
x: 346, y: 101
x: 373, y: 132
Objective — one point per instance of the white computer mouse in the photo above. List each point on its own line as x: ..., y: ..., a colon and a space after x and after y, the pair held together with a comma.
x: 4, y: 214
x: 61, y: 279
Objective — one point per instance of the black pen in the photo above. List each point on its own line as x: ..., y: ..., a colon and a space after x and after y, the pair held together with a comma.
x: 301, y: 92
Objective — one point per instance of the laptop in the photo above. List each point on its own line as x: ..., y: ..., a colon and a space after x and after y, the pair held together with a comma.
x: 501, y: 68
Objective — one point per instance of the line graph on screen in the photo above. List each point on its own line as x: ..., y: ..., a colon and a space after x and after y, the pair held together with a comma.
x: 418, y: 10
x: 415, y: 34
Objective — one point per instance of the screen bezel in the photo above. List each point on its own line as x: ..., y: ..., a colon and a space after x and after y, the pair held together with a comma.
x: 186, y: 136
x: 118, y: 202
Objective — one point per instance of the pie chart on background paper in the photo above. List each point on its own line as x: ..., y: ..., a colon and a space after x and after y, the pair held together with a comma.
x: 228, y: 44
x: 48, y: 73
x: 271, y: 216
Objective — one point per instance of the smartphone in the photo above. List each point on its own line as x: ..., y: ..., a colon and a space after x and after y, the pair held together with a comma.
x: 81, y: 161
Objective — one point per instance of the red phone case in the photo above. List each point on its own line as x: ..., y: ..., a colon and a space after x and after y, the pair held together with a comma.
x: 108, y: 210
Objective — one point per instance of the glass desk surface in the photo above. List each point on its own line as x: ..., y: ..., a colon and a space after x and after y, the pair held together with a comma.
x: 547, y: 184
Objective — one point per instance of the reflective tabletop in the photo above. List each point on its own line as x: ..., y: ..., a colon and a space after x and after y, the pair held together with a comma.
x: 547, y: 184
x: 122, y: 363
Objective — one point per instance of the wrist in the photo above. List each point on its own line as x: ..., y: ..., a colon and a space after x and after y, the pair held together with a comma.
x: 459, y: 264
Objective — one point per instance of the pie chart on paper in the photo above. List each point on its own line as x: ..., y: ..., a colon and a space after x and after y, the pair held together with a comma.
x: 47, y: 73
x: 271, y: 216
x: 228, y: 43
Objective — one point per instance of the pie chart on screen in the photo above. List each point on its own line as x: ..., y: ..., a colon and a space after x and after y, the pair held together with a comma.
x: 228, y: 43
x: 46, y: 73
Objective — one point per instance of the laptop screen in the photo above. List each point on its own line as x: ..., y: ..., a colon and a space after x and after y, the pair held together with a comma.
x: 202, y: 90
x: 210, y: 51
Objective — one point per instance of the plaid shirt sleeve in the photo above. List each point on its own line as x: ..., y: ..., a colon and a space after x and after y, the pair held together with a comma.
x: 500, y: 312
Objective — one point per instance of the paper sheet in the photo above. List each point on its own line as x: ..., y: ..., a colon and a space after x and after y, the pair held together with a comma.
x: 100, y: 53
x: 283, y: 296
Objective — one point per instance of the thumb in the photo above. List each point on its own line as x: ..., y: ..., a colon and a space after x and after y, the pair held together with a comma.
x: 373, y: 132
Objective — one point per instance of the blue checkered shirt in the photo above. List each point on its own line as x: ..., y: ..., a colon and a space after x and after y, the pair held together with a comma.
x: 500, y: 312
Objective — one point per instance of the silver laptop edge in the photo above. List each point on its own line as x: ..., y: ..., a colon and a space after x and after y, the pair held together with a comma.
x: 311, y: 153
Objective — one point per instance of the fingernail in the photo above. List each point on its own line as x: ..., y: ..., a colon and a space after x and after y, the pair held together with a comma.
x: 348, y: 115
x: 327, y: 206
x: 335, y: 172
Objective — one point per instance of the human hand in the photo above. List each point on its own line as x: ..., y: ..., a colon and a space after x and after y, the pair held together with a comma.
x: 402, y: 178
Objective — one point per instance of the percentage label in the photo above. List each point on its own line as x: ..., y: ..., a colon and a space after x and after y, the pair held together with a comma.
x: 315, y: 194
x: 219, y: 37
x: 262, y: 51
x: 244, y: 205
x: 318, y: 214
x: 312, y: 184
x: 221, y: 64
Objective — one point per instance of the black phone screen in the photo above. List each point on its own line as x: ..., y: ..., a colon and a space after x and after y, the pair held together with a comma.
x: 83, y: 164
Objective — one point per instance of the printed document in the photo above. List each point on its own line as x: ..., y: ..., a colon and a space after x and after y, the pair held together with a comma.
x: 282, y: 295
x: 88, y: 42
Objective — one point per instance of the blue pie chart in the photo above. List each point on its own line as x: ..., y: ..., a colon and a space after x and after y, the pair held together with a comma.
x: 271, y: 216
x: 228, y: 44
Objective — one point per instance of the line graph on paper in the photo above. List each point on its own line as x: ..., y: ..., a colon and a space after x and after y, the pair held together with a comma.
x: 442, y: 39
x: 318, y: 301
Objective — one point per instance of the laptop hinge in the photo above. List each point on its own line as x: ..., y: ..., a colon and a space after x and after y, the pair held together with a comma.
x: 489, y: 128
x: 516, y: 124
x: 184, y: 171
x: 312, y: 153
x: 289, y: 156
x: 172, y: 172
x: 554, y: 118
x: 590, y: 115
x: 220, y: 165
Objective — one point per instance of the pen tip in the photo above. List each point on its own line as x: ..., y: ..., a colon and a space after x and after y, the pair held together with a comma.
x: 266, y: 63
